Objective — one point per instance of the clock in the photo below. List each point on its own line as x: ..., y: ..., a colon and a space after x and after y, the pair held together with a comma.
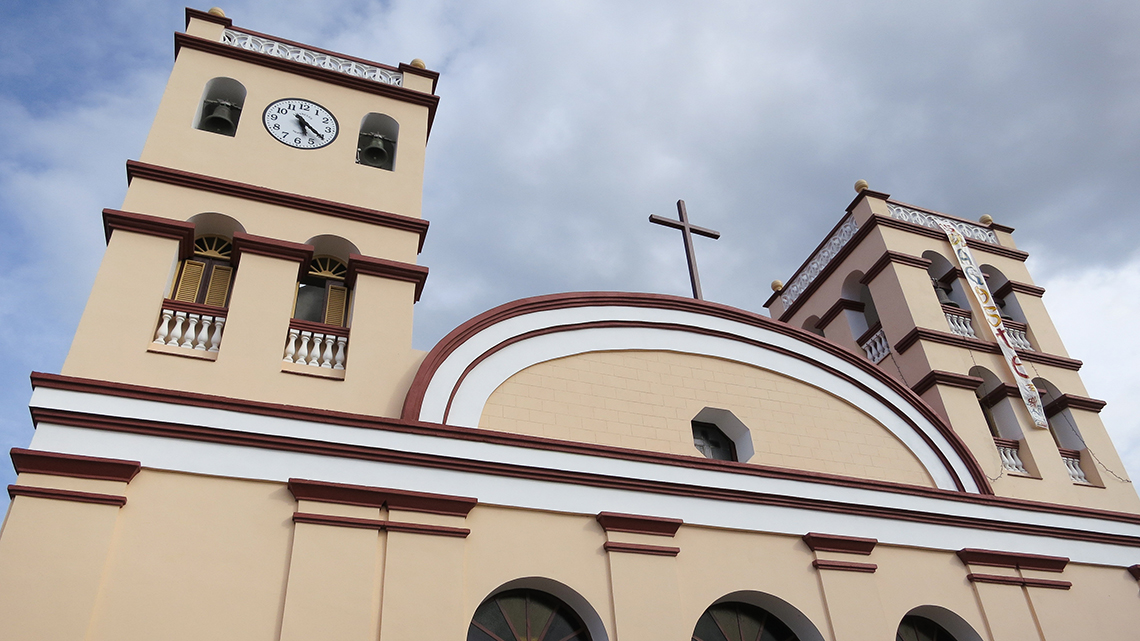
x: 300, y: 123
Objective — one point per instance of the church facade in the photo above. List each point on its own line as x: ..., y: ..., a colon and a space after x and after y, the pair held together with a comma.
x: 242, y: 443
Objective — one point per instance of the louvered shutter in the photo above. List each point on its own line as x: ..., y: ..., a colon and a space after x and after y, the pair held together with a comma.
x: 219, y: 285
x: 190, y: 281
x: 335, y: 305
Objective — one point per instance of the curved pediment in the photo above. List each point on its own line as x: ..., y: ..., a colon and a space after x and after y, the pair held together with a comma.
x: 823, y: 397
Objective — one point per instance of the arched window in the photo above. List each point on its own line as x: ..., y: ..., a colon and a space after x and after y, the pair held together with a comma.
x: 1006, y: 301
x: 916, y: 628
x: 735, y: 621
x: 205, y: 278
x: 220, y: 107
x: 1067, y: 436
x: 934, y: 623
x: 863, y: 318
x: 526, y: 615
x: 994, y: 401
x: 322, y: 296
x: 376, y: 146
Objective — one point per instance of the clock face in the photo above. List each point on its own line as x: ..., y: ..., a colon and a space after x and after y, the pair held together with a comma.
x: 300, y: 123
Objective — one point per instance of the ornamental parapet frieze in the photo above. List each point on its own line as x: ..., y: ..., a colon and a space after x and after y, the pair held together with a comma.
x: 313, y: 58
x: 906, y: 214
x: 819, y: 261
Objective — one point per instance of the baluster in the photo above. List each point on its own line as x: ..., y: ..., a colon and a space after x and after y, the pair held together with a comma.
x: 327, y: 355
x: 291, y: 345
x: 302, y: 357
x: 216, y: 339
x: 315, y: 350
x: 163, y: 327
x: 176, y: 333
x: 204, y: 333
x: 341, y: 342
x: 192, y: 322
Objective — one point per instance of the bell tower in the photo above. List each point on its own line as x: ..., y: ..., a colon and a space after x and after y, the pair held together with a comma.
x: 266, y: 248
x: 887, y: 284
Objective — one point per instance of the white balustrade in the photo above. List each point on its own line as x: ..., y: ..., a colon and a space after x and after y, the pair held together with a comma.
x: 1018, y: 338
x: 315, y: 349
x: 1073, y: 463
x: 877, y: 347
x: 960, y: 324
x: 1010, y: 459
x: 187, y: 330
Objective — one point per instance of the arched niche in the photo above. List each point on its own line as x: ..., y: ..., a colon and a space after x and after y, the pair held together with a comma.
x: 787, y: 613
x: 995, y: 404
x: 220, y: 108
x: 1008, y: 304
x: 951, y: 623
x: 563, y: 593
x: 866, y: 316
x: 1061, y: 423
x: 215, y: 224
x: 377, y: 142
x: 944, y: 278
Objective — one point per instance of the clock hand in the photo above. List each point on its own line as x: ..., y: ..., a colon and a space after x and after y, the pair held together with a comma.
x: 305, y: 123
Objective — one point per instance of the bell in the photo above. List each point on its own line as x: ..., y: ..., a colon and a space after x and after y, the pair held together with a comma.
x: 943, y: 296
x: 222, y: 119
x: 376, y: 151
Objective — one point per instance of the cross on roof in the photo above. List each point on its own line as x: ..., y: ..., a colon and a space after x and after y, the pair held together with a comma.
x: 687, y: 232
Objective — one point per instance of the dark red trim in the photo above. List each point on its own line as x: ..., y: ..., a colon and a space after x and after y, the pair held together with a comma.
x: 898, y: 258
x: 379, y: 524
x: 66, y: 495
x: 414, y: 399
x: 260, y: 245
x: 1000, y: 227
x: 178, y: 230
x: 370, y: 266
x: 940, y: 377
x: 397, y: 457
x: 1003, y: 391
x: 429, y: 101
x: 845, y: 566
x: 1020, y: 288
x: 179, y: 178
x: 956, y: 311
x: 319, y: 328
x: 194, y: 308
x: 1013, y: 444
x: 869, y: 334
x: 208, y: 17
x: 946, y: 338
x: 639, y: 548
x: 836, y: 543
x: 1024, y: 582
x: 368, y: 496
x: 838, y: 308
x: 617, y: 522
x: 1066, y: 401
x: 1019, y: 560
x: 426, y: 73
x: 864, y: 193
x: 81, y: 467
x: 1134, y: 570
x: 1069, y: 453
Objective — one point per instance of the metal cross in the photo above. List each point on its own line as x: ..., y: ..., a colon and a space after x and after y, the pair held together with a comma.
x: 687, y: 232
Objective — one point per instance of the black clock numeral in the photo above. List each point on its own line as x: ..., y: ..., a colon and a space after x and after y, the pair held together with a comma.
x: 297, y: 140
x: 328, y: 130
x: 282, y: 110
x: 273, y: 116
x: 312, y: 141
x: 324, y: 121
x: 276, y: 126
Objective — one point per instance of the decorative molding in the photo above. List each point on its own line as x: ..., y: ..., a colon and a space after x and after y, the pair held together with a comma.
x: 836, y: 543
x: 816, y: 265
x: 382, y: 525
x: 844, y: 566
x: 66, y: 495
x: 366, y: 496
x: 319, y: 328
x: 261, y: 246
x: 406, y: 68
x: 638, y: 548
x: 179, y: 178
x: 1017, y: 560
x: 332, y: 76
x: 1020, y: 288
x: 977, y: 245
x: 898, y: 258
x: 927, y: 219
x: 194, y: 308
x: 1005, y: 390
x: 863, y: 194
x: 946, y: 338
x: 309, y: 56
x: 81, y: 467
x: 1066, y: 401
x: 838, y: 308
x: 178, y: 230
x: 655, y: 525
x: 208, y: 17
x: 1025, y: 582
x: 370, y: 266
x: 940, y: 377
x: 611, y: 482
x: 870, y: 333
x: 1000, y: 227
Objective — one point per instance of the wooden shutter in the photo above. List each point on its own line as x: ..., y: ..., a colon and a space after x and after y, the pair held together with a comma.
x: 219, y: 285
x: 335, y: 304
x: 190, y: 281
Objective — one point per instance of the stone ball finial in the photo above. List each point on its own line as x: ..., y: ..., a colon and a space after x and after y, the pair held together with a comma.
x: 860, y: 185
x: 986, y: 219
x: 777, y: 285
x: 217, y: 11
x: 418, y: 64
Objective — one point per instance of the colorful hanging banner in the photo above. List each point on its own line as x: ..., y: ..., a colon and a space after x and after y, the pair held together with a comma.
x: 981, y: 290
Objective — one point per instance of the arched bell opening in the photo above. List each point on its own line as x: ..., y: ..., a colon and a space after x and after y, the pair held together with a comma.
x: 944, y: 279
x: 1007, y: 303
x: 1070, y: 444
x: 862, y: 316
x: 376, y: 145
x: 220, y: 108
x: 996, y: 404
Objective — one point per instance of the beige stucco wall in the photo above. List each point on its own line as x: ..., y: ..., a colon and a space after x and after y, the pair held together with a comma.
x: 647, y: 400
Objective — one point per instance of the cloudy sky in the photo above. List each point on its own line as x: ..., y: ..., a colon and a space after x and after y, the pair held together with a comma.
x: 562, y: 125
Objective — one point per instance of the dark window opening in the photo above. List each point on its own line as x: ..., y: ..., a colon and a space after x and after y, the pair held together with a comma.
x: 712, y: 442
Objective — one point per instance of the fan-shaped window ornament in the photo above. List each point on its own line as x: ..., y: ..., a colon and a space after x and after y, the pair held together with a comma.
x: 218, y: 247
x: 916, y: 628
x: 525, y: 615
x: 328, y: 267
x: 205, y: 278
x: 740, y: 622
